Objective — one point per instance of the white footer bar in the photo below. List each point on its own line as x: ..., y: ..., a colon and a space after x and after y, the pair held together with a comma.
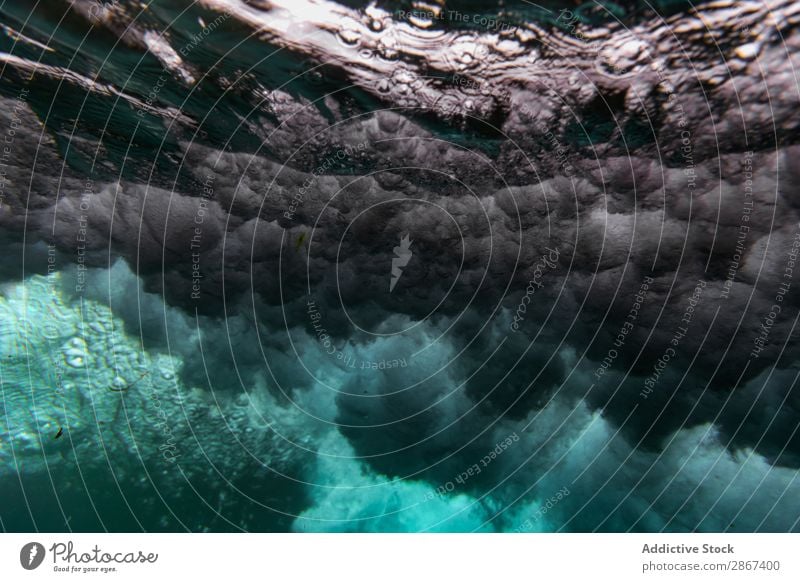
x: 399, y: 557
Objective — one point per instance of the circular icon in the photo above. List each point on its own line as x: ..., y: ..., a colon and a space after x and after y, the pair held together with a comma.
x: 31, y: 555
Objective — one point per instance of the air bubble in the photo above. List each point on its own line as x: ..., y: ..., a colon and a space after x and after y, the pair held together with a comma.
x: 403, y: 76
x: 748, y: 52
x: 422, y: 22
x: 75, y: 359
x: 384, y: 86
x: 349, y: 37
x: 424, y: 14
x: 388, y: 50
x: 75, y: 352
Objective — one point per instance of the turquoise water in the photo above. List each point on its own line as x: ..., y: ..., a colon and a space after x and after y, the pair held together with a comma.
x: 173, y: 451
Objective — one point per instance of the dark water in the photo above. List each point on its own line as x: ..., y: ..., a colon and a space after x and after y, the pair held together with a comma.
x: 398, y: 267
